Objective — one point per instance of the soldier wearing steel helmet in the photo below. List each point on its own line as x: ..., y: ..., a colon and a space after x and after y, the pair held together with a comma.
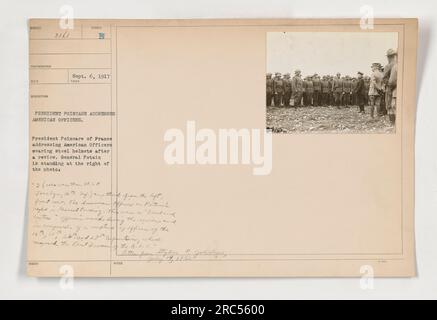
x: 347, y: 90
x: 375, y: 89
x: 278, y: 89
x: 337, y: 88
x: 297, y: 88
x: 317, y: 85
x: 390, y: 84
x: 308, y: 91
x: 325, y: 90
x: 287, y: 90
x: 360, y: 91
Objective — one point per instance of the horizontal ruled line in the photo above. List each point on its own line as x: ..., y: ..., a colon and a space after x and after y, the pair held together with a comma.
x: 194, y: 260
x: 63, y: 53
x: 72, y: 68
x: 36, y: 84
x: 70, y: 39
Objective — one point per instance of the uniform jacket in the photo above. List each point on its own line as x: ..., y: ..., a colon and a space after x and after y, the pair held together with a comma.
x: 375, y: 83
x: 269, y: 85
x: 367, y: 85
x: 287, y: 85
x: 347, y: 86
x: 392, y: 81
x: 308, y: 86
x: 278, y: 85
x: 317, y: 85
x: 337, y: 85
x: 297, y: 84
x: 387, y: 72
x: 325, y: 86
x: 360, y: 88
x: 331, y: 85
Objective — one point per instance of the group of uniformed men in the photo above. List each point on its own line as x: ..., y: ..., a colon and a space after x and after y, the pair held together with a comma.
x: 377, y: 90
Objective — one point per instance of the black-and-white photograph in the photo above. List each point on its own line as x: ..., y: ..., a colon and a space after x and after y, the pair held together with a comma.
x: 331, y: 82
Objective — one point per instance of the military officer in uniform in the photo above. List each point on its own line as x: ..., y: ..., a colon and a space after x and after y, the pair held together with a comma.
x: 354, y: 101
x: 331, y: 91
x: 309, y: 91
x: 390, y: 82
x: 360, y: 91
x: 375, y: 90
x: 278, y: 89
x: 317, y: 87
x: 347, y: 89
x: 304, y: 94
x: 297, y: 88
x: 337, y: 88
x: 325, y: 90
x: 287, y: 90
x: 366, y: 85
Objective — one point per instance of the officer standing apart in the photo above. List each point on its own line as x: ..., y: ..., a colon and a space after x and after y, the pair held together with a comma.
x: 375, y: 90
x: 297, y: 88
x: 360, y: 91
x: 367, y: 86
x: 390, y: 80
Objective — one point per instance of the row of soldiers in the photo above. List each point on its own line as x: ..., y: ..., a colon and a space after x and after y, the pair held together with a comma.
x: 311, y: 90
x: 375, y: 90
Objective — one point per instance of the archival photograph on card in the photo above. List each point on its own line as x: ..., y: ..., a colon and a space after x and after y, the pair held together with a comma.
x: 332, y: 82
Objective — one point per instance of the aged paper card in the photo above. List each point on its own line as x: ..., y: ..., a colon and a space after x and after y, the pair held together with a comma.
x: 221, y: 148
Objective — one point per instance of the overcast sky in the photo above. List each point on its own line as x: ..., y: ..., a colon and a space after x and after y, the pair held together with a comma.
x: 327, y: 52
